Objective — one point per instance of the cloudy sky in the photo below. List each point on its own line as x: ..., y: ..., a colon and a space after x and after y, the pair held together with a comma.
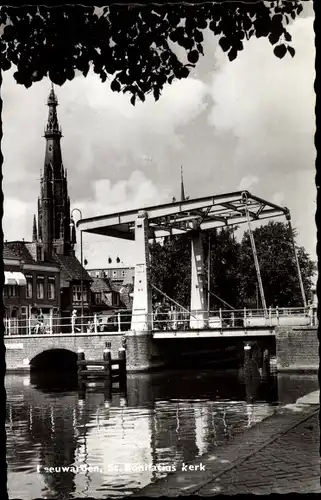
x: 246, y: 124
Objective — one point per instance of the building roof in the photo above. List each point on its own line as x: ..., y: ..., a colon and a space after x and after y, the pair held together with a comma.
x: 9, y: 254
x: 101, y: 285
x: 19, y: 249
x: 124, y: 291
x: 71, y: 268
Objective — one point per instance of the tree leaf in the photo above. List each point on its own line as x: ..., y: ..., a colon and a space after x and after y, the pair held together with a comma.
x: 232, y: 54
x: 224, y: 43
x: 115, y: 86
x: 280, y: 51
x: 291, y: 50
x: 133, y: 99
x: 287, y: 36
x: 193, y: 56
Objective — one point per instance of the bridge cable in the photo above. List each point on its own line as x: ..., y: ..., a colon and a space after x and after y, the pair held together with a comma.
x: 172, y: 300
x: 288, y: 218
x: 219, y: 298
x: 256, y: 261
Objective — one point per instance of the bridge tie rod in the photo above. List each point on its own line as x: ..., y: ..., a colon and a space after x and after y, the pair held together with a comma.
x: 172, y: 300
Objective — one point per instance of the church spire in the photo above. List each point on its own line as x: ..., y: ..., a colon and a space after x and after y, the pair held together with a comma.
x: 182, y: 186
x: 54, y: 203
x: 34, y: 229
x: 52, y: 128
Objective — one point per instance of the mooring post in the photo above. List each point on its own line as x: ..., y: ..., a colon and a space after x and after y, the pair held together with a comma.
x: 107, y: 366
x: 266, y: 365
x: 122, y: 364
x: 81, y: 366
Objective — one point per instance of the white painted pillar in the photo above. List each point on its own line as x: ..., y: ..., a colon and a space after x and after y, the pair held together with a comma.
x: 142, y: 303
x: 199, y: 310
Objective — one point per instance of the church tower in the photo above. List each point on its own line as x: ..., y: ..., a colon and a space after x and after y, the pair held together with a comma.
x: 53, y: 203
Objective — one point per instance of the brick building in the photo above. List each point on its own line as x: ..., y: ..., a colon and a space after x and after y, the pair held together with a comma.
x: 31, y: 288
x: 121, y: 274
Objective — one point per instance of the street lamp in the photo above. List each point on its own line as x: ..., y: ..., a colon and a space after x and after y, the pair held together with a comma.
x: 81, y: 262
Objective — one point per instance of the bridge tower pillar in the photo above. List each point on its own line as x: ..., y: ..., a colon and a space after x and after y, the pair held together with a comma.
x: 142, y: 303
x: 199, y: 311
x: 141, y: 351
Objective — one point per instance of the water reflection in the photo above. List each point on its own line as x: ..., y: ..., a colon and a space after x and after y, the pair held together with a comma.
x: 116, y: 442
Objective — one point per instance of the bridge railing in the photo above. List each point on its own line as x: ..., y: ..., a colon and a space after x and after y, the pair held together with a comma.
x: 164, y: 320
x: 65, y: 325
x: 237, y: 318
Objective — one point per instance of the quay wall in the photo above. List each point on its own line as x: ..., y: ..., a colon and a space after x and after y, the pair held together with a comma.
x: 297, y: 349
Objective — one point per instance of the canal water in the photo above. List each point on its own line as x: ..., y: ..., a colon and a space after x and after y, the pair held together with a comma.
x: 113, y: 447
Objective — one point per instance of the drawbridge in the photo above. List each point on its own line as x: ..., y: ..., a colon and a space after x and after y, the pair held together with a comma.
x: 194, y: 216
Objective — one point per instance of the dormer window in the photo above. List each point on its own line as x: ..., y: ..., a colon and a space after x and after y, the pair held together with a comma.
x: 39, y: 253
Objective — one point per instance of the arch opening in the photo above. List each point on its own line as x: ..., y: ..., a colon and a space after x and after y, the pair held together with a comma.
x: 54, y: 361
x: 54, y: 369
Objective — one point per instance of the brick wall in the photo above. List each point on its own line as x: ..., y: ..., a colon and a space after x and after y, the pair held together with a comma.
x: 21, y: 350
x: 297, y: 349
x: 142, y: 352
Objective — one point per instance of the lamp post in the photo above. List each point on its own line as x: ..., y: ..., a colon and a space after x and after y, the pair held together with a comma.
x: 81, y: 262
x: 209, y: 276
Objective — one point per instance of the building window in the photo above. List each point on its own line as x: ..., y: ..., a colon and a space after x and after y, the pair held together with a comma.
x: 29, y: 288
x: 114, y: 274
x: 12, y: 291
x: 123, y: 273
x: 5, y: 292
x: 51, y: 289
x: 98, y: 298
x: 76, y: 293
x: 115, y: 299
x: 39, y: 253
x: 40, y: 288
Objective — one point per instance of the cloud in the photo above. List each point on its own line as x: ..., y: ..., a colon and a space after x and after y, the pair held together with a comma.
x: 278, y: 198
x: 247, y: 182
x: 16, y: 222
x: 137, y: 191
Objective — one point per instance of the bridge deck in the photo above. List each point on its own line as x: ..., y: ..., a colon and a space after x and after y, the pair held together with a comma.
x: 214, y: 332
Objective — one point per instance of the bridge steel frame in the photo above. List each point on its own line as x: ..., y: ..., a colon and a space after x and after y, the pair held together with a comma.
x: 189, y: 216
